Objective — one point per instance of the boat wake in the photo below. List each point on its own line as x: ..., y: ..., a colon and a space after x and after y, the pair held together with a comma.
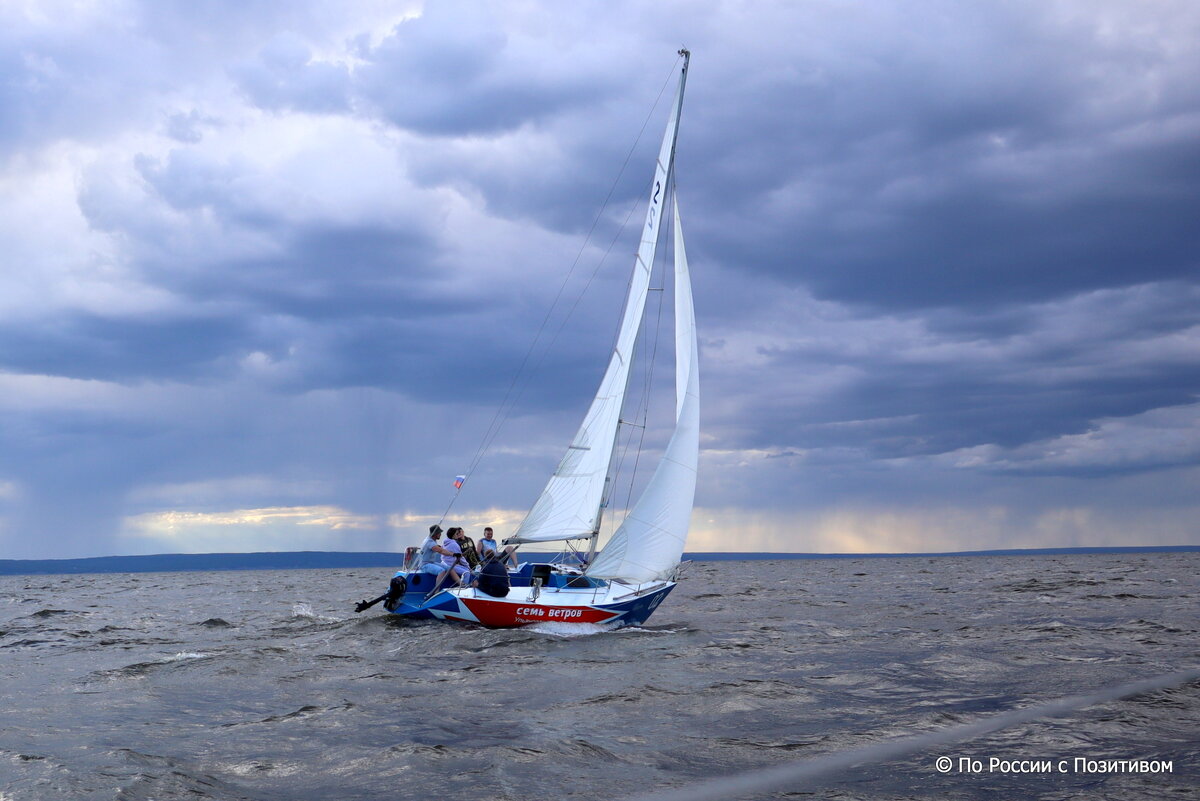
x: 568, y: 630
x: 306, y: 611
x: 641, y: 630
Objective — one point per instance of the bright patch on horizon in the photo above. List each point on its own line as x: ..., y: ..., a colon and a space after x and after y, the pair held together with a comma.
x: 930, y: 530
x: 272, y: 528
x: 327, y: 516
x: 175, y: 523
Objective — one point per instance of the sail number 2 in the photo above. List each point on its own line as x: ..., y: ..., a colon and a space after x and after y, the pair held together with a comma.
x: 654, y: 203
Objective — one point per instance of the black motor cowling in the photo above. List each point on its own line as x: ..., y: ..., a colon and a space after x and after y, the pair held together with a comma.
x: 396, y: 591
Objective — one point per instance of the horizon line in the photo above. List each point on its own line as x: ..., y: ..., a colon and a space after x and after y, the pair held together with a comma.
x: 289, y: 560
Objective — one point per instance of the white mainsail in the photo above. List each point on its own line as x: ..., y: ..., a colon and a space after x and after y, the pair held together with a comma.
x: 570, y: 505
x: 649, y: 543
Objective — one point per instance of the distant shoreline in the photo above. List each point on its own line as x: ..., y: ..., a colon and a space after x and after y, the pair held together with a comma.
x: 314, y: 560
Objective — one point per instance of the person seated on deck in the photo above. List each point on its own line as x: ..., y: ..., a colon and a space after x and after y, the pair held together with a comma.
x: 468, y: 550
x: 493, y: 578
x: 504, y: 555
x: 488, y: 545
x: 432, y: 552
x: 454, y: 565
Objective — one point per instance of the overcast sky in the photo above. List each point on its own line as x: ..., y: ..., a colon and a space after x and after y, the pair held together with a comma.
x: 268, y: 269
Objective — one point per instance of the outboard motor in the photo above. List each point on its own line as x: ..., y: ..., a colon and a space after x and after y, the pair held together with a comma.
x: 396, y: 591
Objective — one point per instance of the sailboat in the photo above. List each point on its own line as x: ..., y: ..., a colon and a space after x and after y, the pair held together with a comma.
x: 637, y: 568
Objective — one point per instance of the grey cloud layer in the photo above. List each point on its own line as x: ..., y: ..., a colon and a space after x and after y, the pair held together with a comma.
x: 958, y: 236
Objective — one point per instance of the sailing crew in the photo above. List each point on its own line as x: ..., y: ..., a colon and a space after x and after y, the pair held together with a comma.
x: 453, y: 563
x: 468, y: 550
x: 493, y: 578
x: 432, y: 552
x: 488, y: 545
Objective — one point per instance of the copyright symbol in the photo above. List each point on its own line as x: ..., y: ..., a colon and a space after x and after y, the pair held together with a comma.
x: 943, y: 764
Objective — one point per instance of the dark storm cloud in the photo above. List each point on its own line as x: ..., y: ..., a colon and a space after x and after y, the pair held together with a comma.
x: 527, y: 118
x: 927, y: 411
x: 57, y: 84
x: 937, y: 249
x: 331, y: 272
x: 1010, y: 380
x: 122, y: 349
x: 83, y: 73
x: 454, y: 358
x: 188, y: 127
x: 978, y: 243
x: 921, y: 207
x: 351, y: 305
x: 1026, y: 157
x: 317, y: 270
x: 284, y: 76
x: 323, y: 303
x: 907, y: 179
x: 451, y: 72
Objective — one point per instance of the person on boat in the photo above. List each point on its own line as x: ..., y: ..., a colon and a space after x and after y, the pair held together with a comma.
x: 454, y: 564
x: 433, y: 552
x: 493, y: 578
x: 468, y: 550
x: 488, y: 545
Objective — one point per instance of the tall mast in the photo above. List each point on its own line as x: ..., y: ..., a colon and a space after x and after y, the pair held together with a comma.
x: 671, y: 135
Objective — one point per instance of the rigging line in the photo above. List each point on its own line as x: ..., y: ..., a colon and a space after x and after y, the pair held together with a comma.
x: 502, y: 413
x: 587, y: 285
x: 668, y: 231
x: 616, y: 476
x: 667, y: 234
x: 644, y: 402
x: 554, y: 338
x: 587, y: 238
x: 791, y: 774
x: 490, y: 437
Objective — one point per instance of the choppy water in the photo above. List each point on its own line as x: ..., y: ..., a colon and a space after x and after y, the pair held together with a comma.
x: 265, y: 685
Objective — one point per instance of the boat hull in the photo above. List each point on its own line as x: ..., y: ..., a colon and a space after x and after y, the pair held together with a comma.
x: 615, y: 606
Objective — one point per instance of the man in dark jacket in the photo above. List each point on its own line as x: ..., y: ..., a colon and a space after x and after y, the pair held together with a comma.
x: 493, y: 579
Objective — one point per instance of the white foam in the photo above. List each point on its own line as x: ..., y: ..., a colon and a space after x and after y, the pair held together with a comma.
x: 304, y: 610
x: 182, y: 655
x: 569, y: 629
x: 556, y: 629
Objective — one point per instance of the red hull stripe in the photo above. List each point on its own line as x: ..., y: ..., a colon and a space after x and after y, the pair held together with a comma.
x: 506, y: 613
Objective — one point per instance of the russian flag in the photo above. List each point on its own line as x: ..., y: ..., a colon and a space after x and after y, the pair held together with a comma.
x: 458, y: 481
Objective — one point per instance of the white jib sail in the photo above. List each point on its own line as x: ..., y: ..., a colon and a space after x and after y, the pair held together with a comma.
x: 569, y: 506
x: 649, y: 543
